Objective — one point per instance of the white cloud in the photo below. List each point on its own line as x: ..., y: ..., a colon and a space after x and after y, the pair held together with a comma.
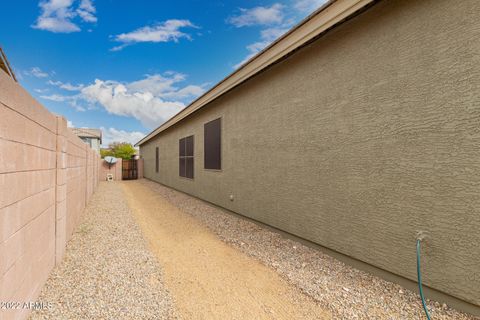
x: 258, y: 16
x: 271, y: 34
x: 56, y: 97
x: 152, y: 100
x: 163, y: 32
x: 186, y: 92
x: 70, y: 124
x: 164, y: 87
x: 273, y: 17
x: 117, y: 99
x: 277, y: 17
x: 110, y: 135
x: 57, y: 15
x: 86, y: 11
x: 36, y: 72
x: 66, y: 86
x: 72, y: 100
x: 267, y: 36
x: 157, y: 84
x: 309, y: 5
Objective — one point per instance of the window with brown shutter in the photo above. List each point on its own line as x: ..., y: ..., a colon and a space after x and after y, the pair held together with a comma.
x: 185, y: 153
x: 156, y: 160
x: 213, y: 144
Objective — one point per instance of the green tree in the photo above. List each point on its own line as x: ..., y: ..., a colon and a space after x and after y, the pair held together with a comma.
x: 104, y: 152
x: 122, y: 150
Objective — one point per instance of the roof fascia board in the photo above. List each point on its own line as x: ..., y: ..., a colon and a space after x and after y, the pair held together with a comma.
x: 321, y: 20
x: 7, y: 68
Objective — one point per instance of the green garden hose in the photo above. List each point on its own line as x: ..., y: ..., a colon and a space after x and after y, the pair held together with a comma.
x: 419, y: 275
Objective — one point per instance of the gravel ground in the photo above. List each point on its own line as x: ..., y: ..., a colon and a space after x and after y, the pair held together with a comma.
x: 108, y: 271
x: 347, y: 292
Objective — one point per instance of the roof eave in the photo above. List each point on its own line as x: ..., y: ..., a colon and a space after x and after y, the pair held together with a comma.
x: 319, y: 21
x: 5, y: 65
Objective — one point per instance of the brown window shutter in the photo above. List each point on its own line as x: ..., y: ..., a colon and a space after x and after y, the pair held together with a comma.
x: 213, y: 144
x: 185, y: 157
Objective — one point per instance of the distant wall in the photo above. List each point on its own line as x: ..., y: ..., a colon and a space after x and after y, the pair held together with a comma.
x: 115, y: 169
x: 47, y: 175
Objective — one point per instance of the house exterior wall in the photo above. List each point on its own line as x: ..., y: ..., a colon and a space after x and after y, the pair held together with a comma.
x: 93, y: 143
x: 357, y: 142
x: 47, y: 175
x: 96, y: 145
x: 140, y: 168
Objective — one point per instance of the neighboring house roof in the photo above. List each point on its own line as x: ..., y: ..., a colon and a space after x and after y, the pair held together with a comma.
x: 88, y: 133
x: 5, y: 66
x: 325, y: 18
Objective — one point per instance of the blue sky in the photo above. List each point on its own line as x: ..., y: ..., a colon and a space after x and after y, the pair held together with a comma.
x: 127, y: 66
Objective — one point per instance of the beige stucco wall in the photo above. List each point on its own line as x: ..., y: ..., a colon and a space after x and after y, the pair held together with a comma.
x: 140, y: 168
x: 47, y: 175
x: 359, y: 141
x: 114, y: 169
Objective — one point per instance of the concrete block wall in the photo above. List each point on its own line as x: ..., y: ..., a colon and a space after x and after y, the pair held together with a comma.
x: 47, y: 175
x: 76, y: 180
x: 61, y: 188
x: 93, y: 162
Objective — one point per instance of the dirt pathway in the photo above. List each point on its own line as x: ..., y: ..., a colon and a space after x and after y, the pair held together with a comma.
x: 207, y: 278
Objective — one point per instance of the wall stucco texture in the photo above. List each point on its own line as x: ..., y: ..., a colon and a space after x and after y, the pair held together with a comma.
x: 357, y: 142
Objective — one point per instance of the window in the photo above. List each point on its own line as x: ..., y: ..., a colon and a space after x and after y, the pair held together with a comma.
x: 185, y: 152
x: 156, y: 160
x: 213, y: 144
